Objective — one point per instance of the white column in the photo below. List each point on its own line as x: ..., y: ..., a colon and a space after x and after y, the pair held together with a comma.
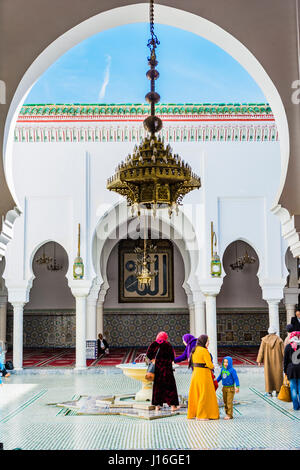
x: 200, y: 323
x: 3, y: 314
x: 100, y: 317
x: 18, y: 335
x: 192, y: 319
x: 80, y: 289
x: 274, y: 314
x: 80, y: 331
x: 273, y: 293
x: 91, y: 319
x: 211, y: 325
x: 291, y: 295
x: 290, y: 312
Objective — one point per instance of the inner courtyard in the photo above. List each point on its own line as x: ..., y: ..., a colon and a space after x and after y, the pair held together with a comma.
x: 149, y: 266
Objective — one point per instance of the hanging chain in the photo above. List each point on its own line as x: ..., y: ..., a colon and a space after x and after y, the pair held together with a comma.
x: 153, y: 41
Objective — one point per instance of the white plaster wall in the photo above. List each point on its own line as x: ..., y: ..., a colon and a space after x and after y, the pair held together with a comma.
x: 63, y: 184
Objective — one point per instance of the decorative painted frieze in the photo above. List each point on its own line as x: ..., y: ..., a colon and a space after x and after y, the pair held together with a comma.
x: 187, y: 109
x: 124, y: 123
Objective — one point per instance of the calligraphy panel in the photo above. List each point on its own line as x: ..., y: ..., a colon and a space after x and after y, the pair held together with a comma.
x: 161, y: 288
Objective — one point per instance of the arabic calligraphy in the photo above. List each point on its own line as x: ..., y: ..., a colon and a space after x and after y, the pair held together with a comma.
x: 156, y: 287
x: 161, y: 287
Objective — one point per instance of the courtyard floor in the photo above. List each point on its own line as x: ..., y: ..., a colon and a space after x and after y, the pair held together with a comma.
x: 27, y: 421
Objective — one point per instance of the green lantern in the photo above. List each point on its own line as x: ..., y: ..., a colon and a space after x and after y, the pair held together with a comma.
x: 215, y: 264
x: 78, y: 266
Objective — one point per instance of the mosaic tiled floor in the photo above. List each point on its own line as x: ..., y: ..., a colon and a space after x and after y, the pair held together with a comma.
x: 27, y: 422
x: 65, y: 357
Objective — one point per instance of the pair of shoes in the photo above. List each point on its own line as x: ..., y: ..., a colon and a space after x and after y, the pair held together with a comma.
x: 228, y: 417
x: 268, y: 394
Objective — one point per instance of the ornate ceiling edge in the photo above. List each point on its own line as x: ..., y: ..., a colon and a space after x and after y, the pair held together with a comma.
x: 230, y: 132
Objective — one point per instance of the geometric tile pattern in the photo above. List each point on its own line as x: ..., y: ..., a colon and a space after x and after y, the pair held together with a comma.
x: 256, y: 425
x: 245, y: 329
x: 58, y: 328
x: 140, y: 329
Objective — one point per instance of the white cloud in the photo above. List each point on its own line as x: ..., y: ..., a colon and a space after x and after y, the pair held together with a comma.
x: 106, y: 77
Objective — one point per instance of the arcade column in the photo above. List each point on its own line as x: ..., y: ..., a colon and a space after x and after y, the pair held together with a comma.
x: 211, y: 289
x: 80, y: 289
x: 100, y: 316
x: 91, y: 320
x: 3, y: 315
x: 199, y: 318
x: 211, y: 322
x: 18, y: 335
x: 192, y: 318
x: 291, y: 295
x: 272, y: 294
x: 18, y: 296
x: 274, y: 314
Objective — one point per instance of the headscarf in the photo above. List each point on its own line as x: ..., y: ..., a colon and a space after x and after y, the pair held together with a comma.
x: 188, y: 338
x: 295, y: 339
x: 202, y: 340
x: 162, y: 337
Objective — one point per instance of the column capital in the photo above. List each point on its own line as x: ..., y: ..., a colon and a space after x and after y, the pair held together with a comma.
x: 273, y: 301
x: 94, y: 291
x: 272, y: 289
x: 18, y: 291
x: 18, y: 303
x: 291, y: 295
x: 211, y: 286
x: 80, y: 287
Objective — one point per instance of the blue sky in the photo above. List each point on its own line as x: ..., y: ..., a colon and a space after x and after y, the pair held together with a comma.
x: 110, y: 67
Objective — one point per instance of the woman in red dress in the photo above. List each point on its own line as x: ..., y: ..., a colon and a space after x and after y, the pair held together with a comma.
x: 164, y: 386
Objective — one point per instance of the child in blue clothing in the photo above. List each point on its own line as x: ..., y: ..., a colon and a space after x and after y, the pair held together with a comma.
x: 231, y: 384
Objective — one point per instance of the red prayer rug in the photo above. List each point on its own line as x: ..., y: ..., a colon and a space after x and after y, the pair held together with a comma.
x: 65, y: 357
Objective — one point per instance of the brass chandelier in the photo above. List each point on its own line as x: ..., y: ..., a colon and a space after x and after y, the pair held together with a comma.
x: 44, y: 259
x: 241, y: 260
x: 143, y: 273
x: 152, y: 177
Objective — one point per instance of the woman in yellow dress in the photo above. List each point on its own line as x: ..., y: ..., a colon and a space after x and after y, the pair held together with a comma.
x: 202, y: 404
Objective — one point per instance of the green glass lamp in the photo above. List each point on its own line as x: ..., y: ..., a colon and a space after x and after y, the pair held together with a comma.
x: 78, y: 266
x: 215, y: 263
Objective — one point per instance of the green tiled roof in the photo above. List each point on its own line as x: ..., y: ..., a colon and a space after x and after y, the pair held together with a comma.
x: 98, y: 109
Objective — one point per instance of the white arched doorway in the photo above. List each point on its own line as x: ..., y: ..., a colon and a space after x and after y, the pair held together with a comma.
x: 117, y: 225
x: 165, y: 15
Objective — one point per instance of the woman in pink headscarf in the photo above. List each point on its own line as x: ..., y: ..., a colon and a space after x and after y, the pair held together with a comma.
x: 291, y: 366
x: 164, y: 386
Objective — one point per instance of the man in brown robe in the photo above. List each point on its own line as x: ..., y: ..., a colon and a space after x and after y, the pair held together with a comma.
x: 271, y: 354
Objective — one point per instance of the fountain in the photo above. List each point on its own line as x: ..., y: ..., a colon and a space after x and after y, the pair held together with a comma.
x: 136, y: 406
x: 137, y: 371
